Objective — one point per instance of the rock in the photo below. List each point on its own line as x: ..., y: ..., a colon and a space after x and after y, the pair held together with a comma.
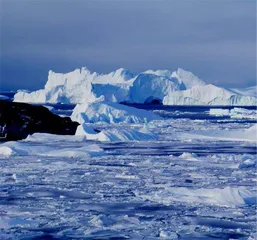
x: 18, y: 120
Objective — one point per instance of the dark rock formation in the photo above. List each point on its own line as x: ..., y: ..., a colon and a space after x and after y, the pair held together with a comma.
x: 18, y: 120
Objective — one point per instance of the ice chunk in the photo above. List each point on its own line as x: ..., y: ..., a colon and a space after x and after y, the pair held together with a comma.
x: 189, y: 156
x: 116, y: 134
x: 248, y: 163
x: 110, y: 113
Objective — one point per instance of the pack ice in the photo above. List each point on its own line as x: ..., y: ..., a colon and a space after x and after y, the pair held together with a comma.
x: 163, y: 86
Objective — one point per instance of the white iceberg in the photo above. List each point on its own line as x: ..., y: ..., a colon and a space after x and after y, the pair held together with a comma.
x: 116, y: 134
x: 71, y: 87
x: 208, y: 95
x: 172, y: 88
x: 111, y: 113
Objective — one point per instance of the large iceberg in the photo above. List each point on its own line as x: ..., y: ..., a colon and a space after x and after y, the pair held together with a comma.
x: 71, y: 87
x: 110, y: 113
x: 208, y: 95
x: 163, y: 86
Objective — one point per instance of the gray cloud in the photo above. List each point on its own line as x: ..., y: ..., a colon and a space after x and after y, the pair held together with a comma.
x: 216, y: 40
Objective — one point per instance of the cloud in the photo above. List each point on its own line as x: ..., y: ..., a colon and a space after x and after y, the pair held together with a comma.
x: 214, y: 39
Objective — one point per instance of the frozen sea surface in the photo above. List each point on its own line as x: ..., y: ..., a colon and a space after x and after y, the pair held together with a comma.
x: 178, y: 187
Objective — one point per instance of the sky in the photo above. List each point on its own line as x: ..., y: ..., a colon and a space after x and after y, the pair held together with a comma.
x: 216, y: 40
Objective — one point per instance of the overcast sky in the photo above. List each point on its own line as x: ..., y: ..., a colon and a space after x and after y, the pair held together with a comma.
x: 216, y: 40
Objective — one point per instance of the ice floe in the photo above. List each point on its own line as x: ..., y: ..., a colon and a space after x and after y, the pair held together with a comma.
x: 25, y: 149
x: 110, y: 113
x: 116, y: 134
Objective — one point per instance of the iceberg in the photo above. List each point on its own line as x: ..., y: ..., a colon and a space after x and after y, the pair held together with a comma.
x: 110, y: 112
x: 208, y: 95
x: 72, y: 87
x: 179, y: 87
x: 149, y: 87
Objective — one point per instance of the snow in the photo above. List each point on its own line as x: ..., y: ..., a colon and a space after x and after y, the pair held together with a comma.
x: 111, y: 113
x: 116, y: 134
x: 172, y: 88
x: 208, y: 95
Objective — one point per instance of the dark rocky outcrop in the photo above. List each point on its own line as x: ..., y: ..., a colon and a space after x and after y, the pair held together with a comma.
x: 18, y: 120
